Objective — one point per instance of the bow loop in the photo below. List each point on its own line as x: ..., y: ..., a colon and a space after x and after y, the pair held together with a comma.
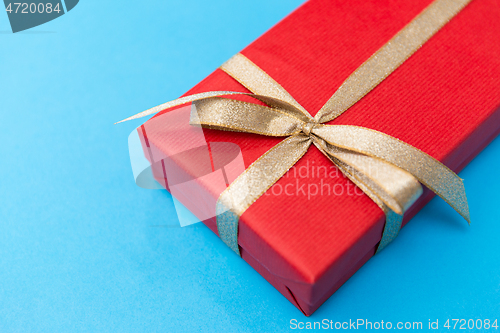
x: 232, y: 115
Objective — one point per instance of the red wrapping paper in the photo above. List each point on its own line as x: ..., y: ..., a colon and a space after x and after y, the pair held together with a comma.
x: 444, y: 100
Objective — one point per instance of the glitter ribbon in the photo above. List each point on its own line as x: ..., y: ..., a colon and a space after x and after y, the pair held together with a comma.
x: 388, y: 170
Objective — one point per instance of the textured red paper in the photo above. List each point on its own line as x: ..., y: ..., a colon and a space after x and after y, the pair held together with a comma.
x: 443, y: 100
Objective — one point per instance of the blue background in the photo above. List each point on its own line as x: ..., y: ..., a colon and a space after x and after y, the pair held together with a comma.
x: 82, y: 248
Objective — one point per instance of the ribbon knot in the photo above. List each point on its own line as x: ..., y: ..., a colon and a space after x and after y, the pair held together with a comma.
x: 388, y: 170
x: 308, y: 127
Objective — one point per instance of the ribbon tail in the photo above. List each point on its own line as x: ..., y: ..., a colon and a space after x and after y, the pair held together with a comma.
x: 393, y: 220
x: 180, y: 101
x: 429, y: 171
x: 392, y: 227
x: 254, y: 182
x: 368, y: 174
x: 391, y: 185
x: 279, y: 105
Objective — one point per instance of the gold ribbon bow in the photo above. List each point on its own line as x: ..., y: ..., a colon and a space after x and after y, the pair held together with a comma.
x: 385, y: 168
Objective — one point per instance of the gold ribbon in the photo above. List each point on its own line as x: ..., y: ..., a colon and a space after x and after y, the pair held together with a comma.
x: 385, y: 168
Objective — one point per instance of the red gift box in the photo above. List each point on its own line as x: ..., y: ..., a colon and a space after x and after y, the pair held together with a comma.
x: 313, y: 229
